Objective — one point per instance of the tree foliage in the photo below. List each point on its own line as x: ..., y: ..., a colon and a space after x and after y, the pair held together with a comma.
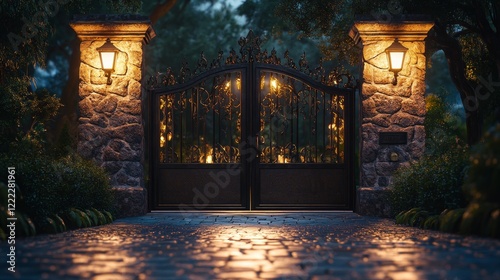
x: 190, y: 28
x: 326, y: 21
x: 35, y: 34
x: 466, y: 30
x: 264, y: 17
x: 443, y: 125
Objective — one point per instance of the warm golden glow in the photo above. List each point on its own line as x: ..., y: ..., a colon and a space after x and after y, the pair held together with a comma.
x: 396, y: 59
x: 208, y: 156
x: 108, y: 60
x: 209, y: 159
x: 228, y: 84
x: 274, y: 84
x: 281, y: 159
x: 162, y: 141
x: 396, y: 55
x: 107, y: 53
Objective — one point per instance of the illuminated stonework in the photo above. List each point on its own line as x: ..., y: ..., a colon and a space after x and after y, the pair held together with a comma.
x: 110, y: 119
x: 389, y: 108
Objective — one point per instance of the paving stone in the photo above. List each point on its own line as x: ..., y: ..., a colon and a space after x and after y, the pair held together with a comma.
x: 251, y: 245
x: 237, y: 275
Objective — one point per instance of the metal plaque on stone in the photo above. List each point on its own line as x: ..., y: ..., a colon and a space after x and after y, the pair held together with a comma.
x: 392, y: 138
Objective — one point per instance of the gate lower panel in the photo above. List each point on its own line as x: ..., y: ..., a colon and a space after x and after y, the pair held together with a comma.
x: 298, y: 187
x: 187, y: 187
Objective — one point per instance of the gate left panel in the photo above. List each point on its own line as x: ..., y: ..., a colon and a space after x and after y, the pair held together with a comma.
x: 197, y: 132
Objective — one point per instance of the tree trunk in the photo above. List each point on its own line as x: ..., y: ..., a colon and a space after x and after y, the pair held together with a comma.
x: 473, y: 123
x: 456, y: 65
x: 487, y: 20
x: 68, y: 114
x: 161, y: 9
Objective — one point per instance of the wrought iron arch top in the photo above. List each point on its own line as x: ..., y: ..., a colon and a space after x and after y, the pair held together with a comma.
x: 250, y: 52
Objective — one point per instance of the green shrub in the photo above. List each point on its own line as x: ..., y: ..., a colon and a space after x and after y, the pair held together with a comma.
x: 39, y: 185
x: 449, y: 220
x: 72, y: 218
x: 482, y: 184
x: 48, y: 187
x: 418, y: 218
x: 476, y: 218
x: 432, y: 222
x: 413, y: 217
x: 483, y: 179
x: 432, y: 184
x: 24, y: 225
x: 82, y: 177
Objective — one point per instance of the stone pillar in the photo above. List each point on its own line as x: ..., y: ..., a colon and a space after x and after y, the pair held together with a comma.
x: 390, y: 108
x: 111, y: 128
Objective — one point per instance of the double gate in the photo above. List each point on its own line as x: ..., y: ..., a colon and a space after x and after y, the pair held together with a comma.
x: 248, y: 132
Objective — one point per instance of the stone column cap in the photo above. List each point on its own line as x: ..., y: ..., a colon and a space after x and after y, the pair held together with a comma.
x: 405, y: 28
x: 100, y: 27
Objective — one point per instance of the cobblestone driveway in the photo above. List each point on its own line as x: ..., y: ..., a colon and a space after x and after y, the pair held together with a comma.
x: 254, y: 245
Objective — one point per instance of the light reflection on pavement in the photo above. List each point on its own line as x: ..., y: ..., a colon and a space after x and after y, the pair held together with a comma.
x: 255, y: 245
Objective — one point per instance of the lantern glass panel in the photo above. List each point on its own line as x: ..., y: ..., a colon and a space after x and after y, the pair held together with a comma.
x: 107, y: 59
x: 396, y: 59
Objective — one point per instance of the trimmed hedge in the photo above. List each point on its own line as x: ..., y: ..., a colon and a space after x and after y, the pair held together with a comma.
x: 48, y: 188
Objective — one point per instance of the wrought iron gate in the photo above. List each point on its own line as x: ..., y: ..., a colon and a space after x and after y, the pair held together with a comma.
x: 248, y: 132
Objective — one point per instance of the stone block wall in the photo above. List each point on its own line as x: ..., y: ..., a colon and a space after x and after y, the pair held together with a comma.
x: 111, y: 128
x: 389, y: 108
x: 110, y: 120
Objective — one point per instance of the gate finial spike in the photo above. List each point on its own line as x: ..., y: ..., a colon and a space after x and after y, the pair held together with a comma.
x: 250, y: 47
x: 250, y: 34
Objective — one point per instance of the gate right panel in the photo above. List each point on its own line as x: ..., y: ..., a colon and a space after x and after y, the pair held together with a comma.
x: 305, y: 143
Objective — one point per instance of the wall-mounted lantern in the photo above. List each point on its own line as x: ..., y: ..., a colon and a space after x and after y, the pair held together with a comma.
x: 108, y: 53
x: 396, y: 55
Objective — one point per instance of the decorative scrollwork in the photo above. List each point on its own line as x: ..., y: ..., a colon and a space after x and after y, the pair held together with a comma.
x: 273, y: 58
x: 169, y: 78
x: 250, y: 47
x: 303, y: 64
x: 202, y: 124
x: 300, y: 121
x: 185, y: 72
x: 337, y: 79
x: 202, y: 64
x: 250, y: 52
x: 232, y: 58
x: 319, y: 72
x: 289, y: 60
x: 217, y: 61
